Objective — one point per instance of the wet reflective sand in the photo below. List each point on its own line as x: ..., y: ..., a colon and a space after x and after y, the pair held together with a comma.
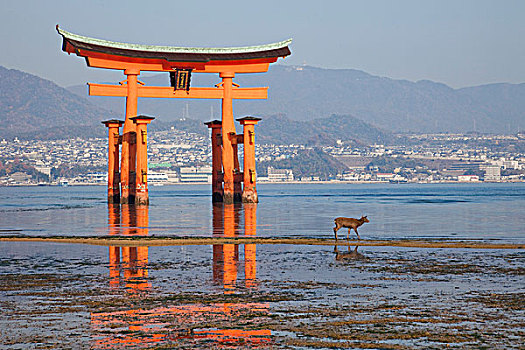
x: 221, y: 297
x: 255, y: 296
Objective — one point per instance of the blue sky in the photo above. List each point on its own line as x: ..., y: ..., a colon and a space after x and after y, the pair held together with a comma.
x: 459, y: 43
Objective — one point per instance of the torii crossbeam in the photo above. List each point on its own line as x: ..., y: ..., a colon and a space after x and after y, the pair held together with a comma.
x: 133, y: 59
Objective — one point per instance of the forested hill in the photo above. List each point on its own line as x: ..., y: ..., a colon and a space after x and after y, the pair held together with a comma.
x: 280, y: 129
x: 306, y: 105
x: 32, y: 107
x: 307, y: 93
x: 35, y: 108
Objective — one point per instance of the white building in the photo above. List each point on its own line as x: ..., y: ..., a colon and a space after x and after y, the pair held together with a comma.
x: 510, y: 164
x: 385, y: 176
x: 46, y: 170
x: 195, y: 174
x: 492, y: 173
x: 94, y: 178
x: 468, y: 178
x: 279, y: 175
x: 173, y: 176
x: 155, y: 178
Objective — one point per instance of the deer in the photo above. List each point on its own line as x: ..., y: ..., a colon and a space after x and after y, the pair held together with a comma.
x: 349, y: 223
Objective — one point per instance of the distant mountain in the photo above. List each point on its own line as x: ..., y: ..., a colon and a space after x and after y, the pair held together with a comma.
x: 503, y: 104
x: 280, y: 129
x: 35, y: 108
x: 337, y: 104
x: 306, y: 93
x: 32, y: 107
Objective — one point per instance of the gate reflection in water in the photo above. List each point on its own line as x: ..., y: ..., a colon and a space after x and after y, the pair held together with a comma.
x: 128, y: 220
x: 226, y: 218
x: 143, y: 326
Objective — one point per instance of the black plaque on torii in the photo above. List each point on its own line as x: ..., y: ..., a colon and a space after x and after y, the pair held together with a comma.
x: 180, y: 79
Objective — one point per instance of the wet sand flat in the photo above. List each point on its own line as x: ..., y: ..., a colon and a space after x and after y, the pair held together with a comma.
x: 138, y: 241
x: 292, y: 297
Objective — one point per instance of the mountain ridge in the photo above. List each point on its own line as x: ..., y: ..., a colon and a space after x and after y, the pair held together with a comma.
x: 30, y: 105
x: 306, y: 93
x: 36, y: 108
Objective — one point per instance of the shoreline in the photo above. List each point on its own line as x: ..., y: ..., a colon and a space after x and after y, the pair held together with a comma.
x: 331, y: 182
x: 125, y: 241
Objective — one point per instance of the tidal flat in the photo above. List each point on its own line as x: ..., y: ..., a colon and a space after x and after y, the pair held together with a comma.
x: 243, y: 296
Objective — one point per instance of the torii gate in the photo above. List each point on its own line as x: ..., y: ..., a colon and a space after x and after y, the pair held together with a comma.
x: 132, y: 59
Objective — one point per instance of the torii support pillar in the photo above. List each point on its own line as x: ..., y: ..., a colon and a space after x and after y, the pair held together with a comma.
x: 249, y: 193
x: 113, y: 126
x: 216, y: 160
x: 228, y: 132
x: 141, y: 145
x: 129, y: 149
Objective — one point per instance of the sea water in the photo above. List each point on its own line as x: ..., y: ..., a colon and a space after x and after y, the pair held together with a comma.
x: 482, y: 211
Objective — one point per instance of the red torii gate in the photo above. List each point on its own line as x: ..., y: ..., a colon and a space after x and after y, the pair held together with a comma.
x: 132, y: 59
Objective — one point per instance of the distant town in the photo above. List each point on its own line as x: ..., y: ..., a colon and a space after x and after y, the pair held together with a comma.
x: 176, y: 156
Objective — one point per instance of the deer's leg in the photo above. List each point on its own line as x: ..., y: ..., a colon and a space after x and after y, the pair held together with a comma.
x: 335, y: 231
x: 348, y: 234
x: 357, y: 233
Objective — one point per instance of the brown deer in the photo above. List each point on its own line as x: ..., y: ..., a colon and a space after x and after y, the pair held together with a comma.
x: 349, y: 223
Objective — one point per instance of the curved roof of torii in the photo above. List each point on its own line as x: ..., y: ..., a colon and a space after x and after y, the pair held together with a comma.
x: 82, y: 46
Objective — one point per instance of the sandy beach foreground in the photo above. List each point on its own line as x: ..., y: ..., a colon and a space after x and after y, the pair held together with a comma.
x: 196, y: 293
x: 135, y: 241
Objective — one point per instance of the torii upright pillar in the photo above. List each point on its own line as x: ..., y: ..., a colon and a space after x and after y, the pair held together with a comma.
x: 113, y: 126
x: 216, y: 160
x: 141, y: 146
x: 129, y: 135
x: 228, y: 132
x: 249, y: 193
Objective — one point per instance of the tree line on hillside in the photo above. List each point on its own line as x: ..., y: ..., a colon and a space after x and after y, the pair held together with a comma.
x: 69, y: 171
x: 307, y: 163
x: 16, y: 165
x: 279, y: 129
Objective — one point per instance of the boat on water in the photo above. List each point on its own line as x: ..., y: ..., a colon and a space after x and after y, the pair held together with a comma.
x: 401, y: 181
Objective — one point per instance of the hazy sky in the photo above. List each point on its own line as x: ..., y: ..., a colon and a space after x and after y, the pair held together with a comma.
x: 459, y: 43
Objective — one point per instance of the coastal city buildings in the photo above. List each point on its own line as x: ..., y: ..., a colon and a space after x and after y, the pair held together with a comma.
x: 180, y: 157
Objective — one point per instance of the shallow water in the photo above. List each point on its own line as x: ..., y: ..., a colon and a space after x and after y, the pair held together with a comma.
x: 461, y: 211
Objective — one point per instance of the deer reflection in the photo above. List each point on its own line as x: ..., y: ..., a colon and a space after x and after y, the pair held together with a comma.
x: 226, y: 218
x: 128, y: 220
x: 350, y: 255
